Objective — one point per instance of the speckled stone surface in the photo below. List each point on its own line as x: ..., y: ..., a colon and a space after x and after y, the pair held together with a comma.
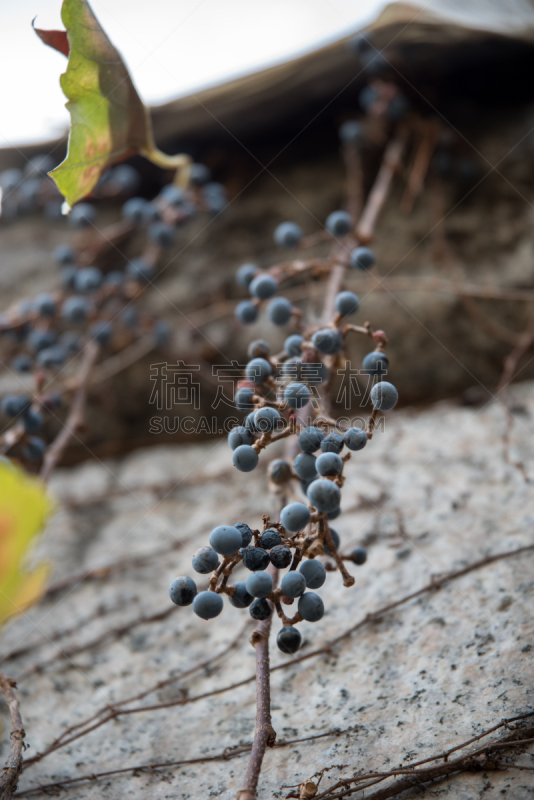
x: 429, y: 495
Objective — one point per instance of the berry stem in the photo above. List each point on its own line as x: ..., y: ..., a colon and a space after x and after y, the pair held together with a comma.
x: 264, y: 734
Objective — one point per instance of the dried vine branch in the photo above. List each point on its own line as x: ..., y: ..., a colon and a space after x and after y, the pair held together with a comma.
x: 13, y: 766
x: 484, y: 758
x: 76, y: 415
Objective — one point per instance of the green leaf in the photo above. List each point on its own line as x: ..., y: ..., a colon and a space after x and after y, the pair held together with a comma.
x: 108, y: 119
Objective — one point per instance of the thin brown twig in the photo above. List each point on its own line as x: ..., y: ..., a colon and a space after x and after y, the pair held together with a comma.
x: 13, y: 766
x: 483, y: 758
x: 75, y: 418
x: 390, y: 164
x: 429, y: 139
x: 225, y: 755
x: 111, y: 710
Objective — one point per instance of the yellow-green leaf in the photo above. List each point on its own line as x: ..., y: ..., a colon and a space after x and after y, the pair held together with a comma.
x: 108, y: 119
x: 24, y: 508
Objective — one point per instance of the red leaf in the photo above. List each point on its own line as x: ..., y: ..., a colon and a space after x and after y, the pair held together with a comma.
x: 55, y: 39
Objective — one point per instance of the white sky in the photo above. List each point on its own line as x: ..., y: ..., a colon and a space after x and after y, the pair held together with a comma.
x: 171, y: 47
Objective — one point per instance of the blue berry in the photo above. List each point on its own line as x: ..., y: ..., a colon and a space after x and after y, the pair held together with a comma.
x: 250, y: 422
x: 101, y: 332
x: 288, y: 639
x: 82, y: 215
x: 245, y: 274
x: 279, y: 471
x: 241, y: 598
x: 314, y: 573
x: 88, y: 279
x: 267, y: 419
x: 255, y: 558
x: 238, y: 436
x: 208, y: 605
x: 259, y: 584
x: 246, y: 533
x: 22, y: 363
x: 215, y: 198
x: 67, y: 277
x: 134, y: 210
x: 44, y: 305
x: 311, y: 607
x: 125, y: 178
x: 10, y: 179
x: 245, y: 458
x: 39, y: 338
x: 34, y: 448
x: 296, y: 395
x: 293, y: 584
x: 384, y: 396
x: 339, y: 223
x: 258, y: 370
x: 270, y: 538
x: 205, y: 560
x: 310, y: 438
x: 358, y: 556
x: 263, y: 286
x: 305, y: 467
x: 14, y: 404
x: 161, y: 233
x: 51, y: 356
x: 226, y: 540
x: 150, y: 212
x: 75, y: 309
x: 129, y: 316
x: 293, y: 345
x: 260, y: 609
x: 376, y: 363
x: 287, y: 234
x: 327, y: 340
x: 292, y: 368
x: 329, y: 464
x: 295, y: 517
x: 324, y: 495
x: 243, y: 399
x: 368, y: 97
x: 355, y: 438
x: 335, y: 538
x: 332, y: 443
x: 140, y: 270
x: 259, y: 349
x: 334, y: 514
x: 280, y: 556
x: 362, y: 258
x: 199, y: 174
x: 161, y: 332
x: 351, y: 132
x: 182, y: 591
x: 246, y: 312
x: 279, y: 311
x: 173, y: 195
x: 347, y: 303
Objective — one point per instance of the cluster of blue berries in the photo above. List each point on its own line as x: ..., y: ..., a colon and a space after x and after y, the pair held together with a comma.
x: 282, y: 545
x: 262, y: 285
x: 275, y: 395
x: 44, y: 334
